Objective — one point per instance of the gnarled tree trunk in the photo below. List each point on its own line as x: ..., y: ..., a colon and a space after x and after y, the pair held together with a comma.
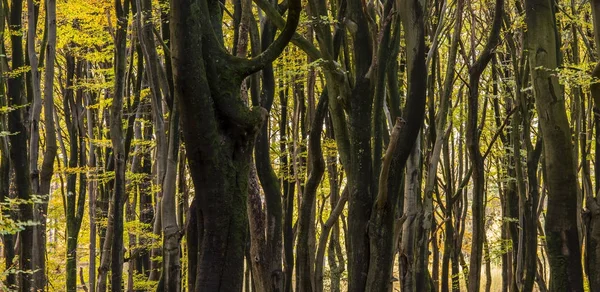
x: 219, y: 131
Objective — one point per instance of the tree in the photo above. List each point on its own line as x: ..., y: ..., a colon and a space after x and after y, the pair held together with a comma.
x: 18, y: 145
x: 562, y: 237
x: 219, y: 131
x: 478, y: 207
x: 593, y: 206
x: 395, y: 156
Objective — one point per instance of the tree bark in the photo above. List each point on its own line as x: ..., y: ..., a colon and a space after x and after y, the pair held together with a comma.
x: 219, y: 131
x: 384, y: 218
x: 562, y: 236
x: 304, y: 257
x: 5, y: 172
x: 18, y: 142
x: 171, y: 272
x: 120, y: 155
x: 592, y: 214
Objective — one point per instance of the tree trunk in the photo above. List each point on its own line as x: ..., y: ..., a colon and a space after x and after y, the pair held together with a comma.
x: 384, y: 207
x: 304, y: 256
x: 219, y: 131
x: 411, y: 273
x: 473, y: 136
x: 267, y: 177
x: 171, y: 272
x: 5, y: 173
x: 75, y: 200
x: 92, y: 186
x: 288, y: 191
x: 120, y: 154
x: 39, y: 243
x: 18, y: 144
x: 592, y: 214
x: 561, y: 218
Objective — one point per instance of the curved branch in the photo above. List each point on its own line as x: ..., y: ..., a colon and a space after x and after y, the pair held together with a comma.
x: 297, y: 39
x: 325, y: 230
x: 276, y: 48
x: 492, y: 41
x: 387, y: 161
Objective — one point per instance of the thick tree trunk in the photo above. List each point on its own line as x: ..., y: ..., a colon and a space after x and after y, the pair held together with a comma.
x: 383, y: 219
x: 412, y: 274
x: 359, y: 167
x: 219, y: 131
x: 561, y: 218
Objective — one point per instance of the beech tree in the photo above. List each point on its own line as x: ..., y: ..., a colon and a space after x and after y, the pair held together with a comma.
x: 219, y: 131
x: 263, y: 145
x: 562, y: 237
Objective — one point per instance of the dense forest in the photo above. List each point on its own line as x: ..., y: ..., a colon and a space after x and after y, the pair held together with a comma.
x: 300, y: 145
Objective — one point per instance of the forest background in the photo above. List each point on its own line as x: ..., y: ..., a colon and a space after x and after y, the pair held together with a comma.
x: 348, y: 145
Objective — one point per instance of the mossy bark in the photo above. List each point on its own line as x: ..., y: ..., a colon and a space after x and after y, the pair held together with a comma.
x: 219, y: 132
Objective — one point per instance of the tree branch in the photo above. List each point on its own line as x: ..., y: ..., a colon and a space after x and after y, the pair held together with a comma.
x: 387, y: 161
x: 297, y: 39
x: 276, y: 48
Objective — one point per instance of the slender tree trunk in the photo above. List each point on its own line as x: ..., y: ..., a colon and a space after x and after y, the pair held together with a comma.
x: 266, y: 174
x: 304, y: 256
x: 332, y: 261
x: 120, y: 156
x: 336, y: 259
x: 473, y: 135
x: 5, y: 173
x: 92, y: 187
x: 171, y: 272
x: 159, y: 88
x: 592, y: 214
x: 288, y: 191
x: 39, y: 243
x: 75, y: 200
x: 18, y: 142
